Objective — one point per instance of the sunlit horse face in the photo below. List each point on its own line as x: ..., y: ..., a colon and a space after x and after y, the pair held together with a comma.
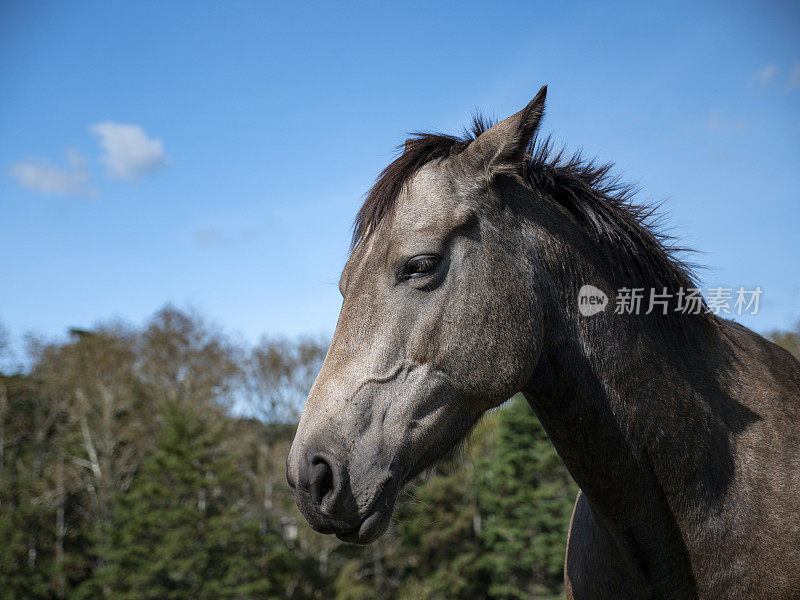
x: 439, y: 323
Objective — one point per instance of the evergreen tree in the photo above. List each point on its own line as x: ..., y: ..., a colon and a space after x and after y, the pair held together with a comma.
x: 526, y: 497
x: 27, y: 515
x: 25, y: 570
x: 439, y: 529
x: 179, y: 532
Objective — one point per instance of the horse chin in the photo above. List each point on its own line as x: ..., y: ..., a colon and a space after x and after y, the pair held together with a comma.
x: 375, y: 522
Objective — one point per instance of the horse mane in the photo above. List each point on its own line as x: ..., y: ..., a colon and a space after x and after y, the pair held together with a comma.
x: 600, y: 202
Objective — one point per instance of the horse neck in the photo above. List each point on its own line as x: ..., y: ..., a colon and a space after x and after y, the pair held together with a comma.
x: 629, y: 404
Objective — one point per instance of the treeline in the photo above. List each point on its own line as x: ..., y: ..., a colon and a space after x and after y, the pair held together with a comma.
x: 149, y: 463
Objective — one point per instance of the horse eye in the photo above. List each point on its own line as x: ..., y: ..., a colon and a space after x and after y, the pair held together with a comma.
x: 420, y: 265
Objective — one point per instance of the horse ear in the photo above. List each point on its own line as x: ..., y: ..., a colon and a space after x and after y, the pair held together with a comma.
x: 502, y: 148
x: 407, y: 144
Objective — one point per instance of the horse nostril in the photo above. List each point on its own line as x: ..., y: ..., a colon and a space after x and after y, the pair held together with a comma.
x: 322, y: 483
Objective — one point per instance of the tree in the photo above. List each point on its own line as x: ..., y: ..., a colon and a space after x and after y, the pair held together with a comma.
x: 104, y: 432
x: 4, y: 342
x: 526, y: 497
x: 439, y: 526
x: 280, y: 373
x: 26, y: 559
x: 789, y: 339
x: 124, y: 473
x: 181, y: 530
x: 181, y: 356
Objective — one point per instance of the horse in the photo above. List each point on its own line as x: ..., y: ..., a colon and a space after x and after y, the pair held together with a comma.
x: 680, y: 427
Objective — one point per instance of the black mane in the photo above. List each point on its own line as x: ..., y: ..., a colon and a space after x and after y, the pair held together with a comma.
x: 598, y: 200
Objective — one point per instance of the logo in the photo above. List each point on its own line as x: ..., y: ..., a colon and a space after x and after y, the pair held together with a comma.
x: 591, y: 300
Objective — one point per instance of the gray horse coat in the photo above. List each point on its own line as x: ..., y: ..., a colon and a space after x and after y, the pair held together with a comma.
x: 681, y: 429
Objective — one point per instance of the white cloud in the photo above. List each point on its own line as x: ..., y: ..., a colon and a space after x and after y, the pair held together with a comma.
x: 766, y: 74
x: 43, y: 176
x: 127, y: 151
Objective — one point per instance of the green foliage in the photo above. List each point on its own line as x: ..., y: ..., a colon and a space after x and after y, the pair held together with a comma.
x: 179, y: 532
x: 22, y: 574
x: 26, y: 511
x: 438, y: 524
x: 191, y: 524
x: 351, y: 584
x: 125, y: 474
x: 526, y: 496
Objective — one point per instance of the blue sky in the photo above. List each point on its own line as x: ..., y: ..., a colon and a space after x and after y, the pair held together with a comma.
x: 213, y: 154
